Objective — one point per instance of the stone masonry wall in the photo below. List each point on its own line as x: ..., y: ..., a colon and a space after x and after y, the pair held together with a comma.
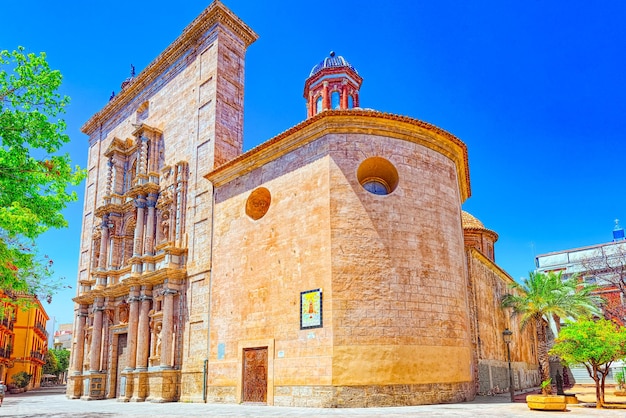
x: 261, y: 266
x: 372, y: 396
x: 489, y: 285
x: 391, y: 269
x: 399, y: 297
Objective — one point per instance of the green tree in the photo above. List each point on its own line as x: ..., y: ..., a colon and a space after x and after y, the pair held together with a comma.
x: 63, y: 358
x: 52, y: 363
x: 35, y: 178
x: 544, y: 298
x: 596, y: 345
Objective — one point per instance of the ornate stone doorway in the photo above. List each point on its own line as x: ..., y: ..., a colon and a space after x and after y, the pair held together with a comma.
x: 255, y: 375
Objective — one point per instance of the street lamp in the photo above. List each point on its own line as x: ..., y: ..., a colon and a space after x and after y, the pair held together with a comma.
x: 507, y: 334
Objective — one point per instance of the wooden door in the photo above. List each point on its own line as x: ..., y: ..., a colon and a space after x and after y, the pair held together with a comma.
x: 255, y: 374
x: 122, y: 361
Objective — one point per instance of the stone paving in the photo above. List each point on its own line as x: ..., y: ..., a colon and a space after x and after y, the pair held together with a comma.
x: 51, y: 402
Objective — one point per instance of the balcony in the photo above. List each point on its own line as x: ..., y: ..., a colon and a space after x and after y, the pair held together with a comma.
x: 42, y: 329
x: 37, y: 356
x: 7, y: 322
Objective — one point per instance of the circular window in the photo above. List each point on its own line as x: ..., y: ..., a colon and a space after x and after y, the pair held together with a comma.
x: 377, y: 176
x: 258, y: 203
x: 376, y: 186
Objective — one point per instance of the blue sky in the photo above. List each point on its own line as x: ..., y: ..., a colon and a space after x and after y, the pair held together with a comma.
x: 537, y: 91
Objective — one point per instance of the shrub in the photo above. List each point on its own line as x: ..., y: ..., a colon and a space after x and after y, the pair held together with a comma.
x: 21, y: 379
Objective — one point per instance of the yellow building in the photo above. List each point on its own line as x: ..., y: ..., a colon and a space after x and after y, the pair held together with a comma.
x: 7, y: 336
x: 24, y: 339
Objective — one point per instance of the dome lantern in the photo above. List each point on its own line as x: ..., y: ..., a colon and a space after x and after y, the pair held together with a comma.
x: 332, y: 84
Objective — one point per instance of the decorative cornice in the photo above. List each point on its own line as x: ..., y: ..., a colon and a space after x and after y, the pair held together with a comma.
x: 215, y: 14
x: 356, y: 121
x: 152, y: 278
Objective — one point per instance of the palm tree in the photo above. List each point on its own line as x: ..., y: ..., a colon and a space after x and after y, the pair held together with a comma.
x: 544, y: 298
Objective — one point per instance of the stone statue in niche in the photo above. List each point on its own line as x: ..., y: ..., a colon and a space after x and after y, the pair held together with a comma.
x: 123, y: 313
x: 87, y: 357
x: 157, y: 347
x: 108, y: 315
x: 165, y: 226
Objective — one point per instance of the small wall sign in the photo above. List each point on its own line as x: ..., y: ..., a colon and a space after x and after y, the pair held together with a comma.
x: 311, y: 309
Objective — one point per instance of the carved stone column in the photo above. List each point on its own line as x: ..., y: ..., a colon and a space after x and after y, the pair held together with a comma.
x: 143, y: 339
x: 104, y: 244
x: 96, y: 337
x: 140, y: 203
x: 109, y: 184
x: 133, y: 320
x: 79, y: 347
x: 107, y: 321
x: 168, y: 328
x: 150, y: 232
x: 143, y: 155
x: 344, y: 95
x: 325, y: 97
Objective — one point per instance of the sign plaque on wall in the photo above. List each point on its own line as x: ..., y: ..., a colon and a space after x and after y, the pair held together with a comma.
x: 311, y: 309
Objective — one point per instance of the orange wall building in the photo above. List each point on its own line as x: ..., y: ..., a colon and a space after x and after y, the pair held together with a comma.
x: 23, y: 341
x: 7, y: 336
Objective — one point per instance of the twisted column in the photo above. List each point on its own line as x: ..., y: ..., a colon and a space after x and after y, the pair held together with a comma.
x: 109, y: 183
x: 143, y: 155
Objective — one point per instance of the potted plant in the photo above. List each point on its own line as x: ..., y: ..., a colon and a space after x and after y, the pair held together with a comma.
x: 546, y: 401
x: 20, y: 381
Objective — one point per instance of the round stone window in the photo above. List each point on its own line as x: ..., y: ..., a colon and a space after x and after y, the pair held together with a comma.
x: 258, y: 203
x: 378, y: 176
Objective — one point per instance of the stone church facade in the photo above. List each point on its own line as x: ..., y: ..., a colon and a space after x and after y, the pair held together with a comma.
x: 330, y: 266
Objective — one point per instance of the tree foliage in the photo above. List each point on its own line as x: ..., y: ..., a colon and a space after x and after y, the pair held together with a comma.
x: 52, y: 363
x: 35, y: 178
x: 63, y: 359
x: 544, y: 298
x: 596, y: 345
x: 57, y: 361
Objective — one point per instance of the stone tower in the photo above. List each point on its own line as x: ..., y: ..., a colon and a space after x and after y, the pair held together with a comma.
x: 145, y: 246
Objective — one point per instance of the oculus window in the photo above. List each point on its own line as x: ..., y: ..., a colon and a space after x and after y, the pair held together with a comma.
x: 378, y: 176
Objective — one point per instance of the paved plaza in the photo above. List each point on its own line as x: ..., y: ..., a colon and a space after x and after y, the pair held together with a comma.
x: 51, y: 402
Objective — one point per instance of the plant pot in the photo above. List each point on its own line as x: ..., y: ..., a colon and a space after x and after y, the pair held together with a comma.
x: 570, y: 398
x: 620, y: 392
x: 547, y: 402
